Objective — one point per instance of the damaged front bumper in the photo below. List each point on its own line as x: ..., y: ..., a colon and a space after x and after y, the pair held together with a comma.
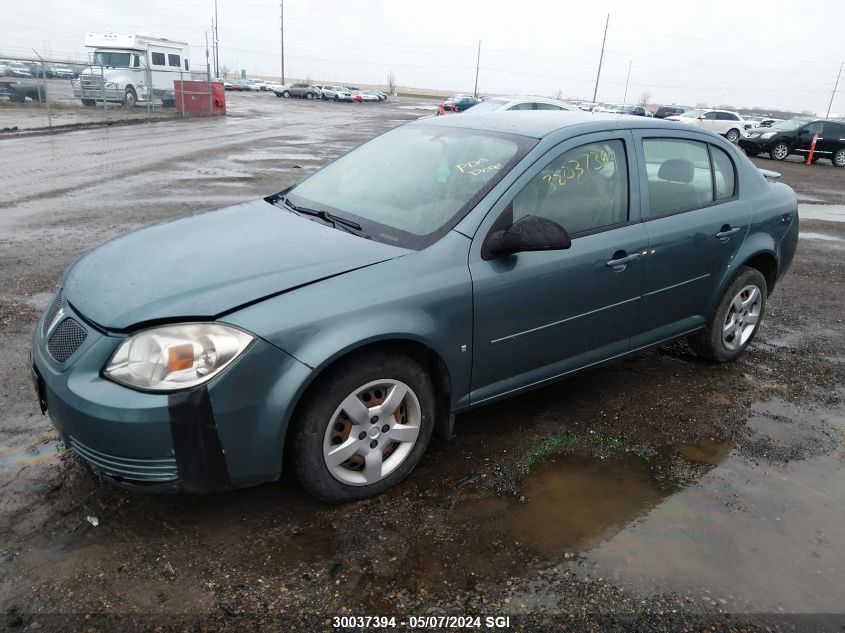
x: 226, y: 434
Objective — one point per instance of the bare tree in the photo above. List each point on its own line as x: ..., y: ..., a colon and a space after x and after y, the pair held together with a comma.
x: 558, y: 94
x: 224, y: 72
x: 391, y: 82
x: 644, y: 99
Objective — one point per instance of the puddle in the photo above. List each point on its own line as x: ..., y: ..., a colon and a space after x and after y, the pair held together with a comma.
x: 19, y: 451
x: 828, y: 212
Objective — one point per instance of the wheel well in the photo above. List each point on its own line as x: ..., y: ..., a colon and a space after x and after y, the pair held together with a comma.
x: 424, y: 355
x: 768, y: 266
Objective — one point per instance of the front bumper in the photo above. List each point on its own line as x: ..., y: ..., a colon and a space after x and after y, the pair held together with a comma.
x: 758, y: 145
x: 226, y: 434
x: 111, y: 94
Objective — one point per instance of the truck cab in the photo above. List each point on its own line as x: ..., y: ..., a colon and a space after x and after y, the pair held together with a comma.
x: 131, y: 69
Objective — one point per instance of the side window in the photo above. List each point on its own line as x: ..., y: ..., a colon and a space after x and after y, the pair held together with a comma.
x: 813, y: 128
x: 724, y: 172
x: 583, y: 189
x: 711, y: 116
x: 547, y: 106
x: 835, y: 131
x: 136, y: 61
x: 679, y: 175
x: 173, y: 60
x: 157, y: 59
x: 186, y: 64
x: 523, y: 106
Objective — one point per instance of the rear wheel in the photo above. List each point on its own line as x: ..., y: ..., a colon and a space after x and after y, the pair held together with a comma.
x: 363, y: 426
x: 732, y: 135
x: 737, y: 317
x: 779, y: 151
x: 309, y: 95
x: 839, y: 158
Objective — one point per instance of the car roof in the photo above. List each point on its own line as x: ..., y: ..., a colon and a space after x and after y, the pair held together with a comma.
x: 540, y: 123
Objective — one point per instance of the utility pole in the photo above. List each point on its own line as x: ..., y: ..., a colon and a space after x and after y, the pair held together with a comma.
x: 214, y: 49
x: 477, y: 62
x: 625, y: 98
x: 835, y: 86
x: 601, y: 58
x: 216, y: 43
x: 282, y: 30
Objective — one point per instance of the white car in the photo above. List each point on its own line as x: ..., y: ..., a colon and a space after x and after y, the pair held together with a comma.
x: 494, y: 104
x: 336, y: 93
x: 729, y: 124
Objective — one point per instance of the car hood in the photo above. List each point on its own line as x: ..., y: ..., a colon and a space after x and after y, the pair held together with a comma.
x: 206, y: 264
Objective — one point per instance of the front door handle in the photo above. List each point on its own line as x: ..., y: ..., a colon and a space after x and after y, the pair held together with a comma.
x: 621, y: 259
x: 727, y: 231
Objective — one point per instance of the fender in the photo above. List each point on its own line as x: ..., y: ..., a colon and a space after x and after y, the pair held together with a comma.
x: 756, y: 243
x: 319, y: 323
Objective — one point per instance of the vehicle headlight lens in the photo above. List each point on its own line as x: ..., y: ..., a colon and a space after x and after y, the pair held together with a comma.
x: 111, y: 84
x: 176, y: 356
x: 768, y: 135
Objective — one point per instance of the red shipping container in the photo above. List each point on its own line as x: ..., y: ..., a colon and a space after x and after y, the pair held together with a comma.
x: 194, y: 96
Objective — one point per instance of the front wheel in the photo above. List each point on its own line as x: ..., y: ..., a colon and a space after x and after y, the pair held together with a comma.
x: 309, y: 95
x: 732, y: 135
x: 779, y: 151
x: 839, y: 158
x: 130, y: 98
x: 736, y: 319
x: 88, y: 103
x: 363, y: 426
x: 286, y: 94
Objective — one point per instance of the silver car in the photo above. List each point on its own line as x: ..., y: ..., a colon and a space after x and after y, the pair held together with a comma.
x: 495, y: 104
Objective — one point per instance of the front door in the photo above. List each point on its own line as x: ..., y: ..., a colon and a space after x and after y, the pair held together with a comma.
x: 696, y: 224
x: 806, y: 135
x: 538, y: 315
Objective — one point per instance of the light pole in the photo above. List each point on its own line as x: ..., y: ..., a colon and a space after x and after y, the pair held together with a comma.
x: 601, y: 57
x: 282, y: 30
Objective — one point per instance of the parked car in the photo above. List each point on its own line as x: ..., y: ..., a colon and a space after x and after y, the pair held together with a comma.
x: 667, y: 111
x: 796, y: 137
x: 304, y: 91
x: 728, y: 124
x: 368, y: 95
x: 36, y: 69
x: 244, y: 85
x: 460, y: 103
x: 636, y: 110
x: 524, y: 104
x: 506, y: 256
x: 18, y: 92
x: 61, y: 72
x: 335, y: 93
x: 16, y: 69
x: 227, y: 85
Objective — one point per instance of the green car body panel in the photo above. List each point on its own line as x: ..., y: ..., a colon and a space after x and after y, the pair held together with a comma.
x: 311, y: 294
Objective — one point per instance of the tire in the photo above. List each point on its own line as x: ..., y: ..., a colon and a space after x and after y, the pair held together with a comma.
x: 336, y: 98
x: 88, y: 103
x: 309, y: 95
x: 741, y: 309
x: 732, y: 135
x: 779, y: 151
x: 286, y: 94
x: 130, y: 98
x: 322, y: 420
x: 278, y: 94
x: 838, y: 159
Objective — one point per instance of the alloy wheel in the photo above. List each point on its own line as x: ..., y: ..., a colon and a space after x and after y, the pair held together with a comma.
x: 780, y: 151
x: 372, y: 432
x: 839, y: 158
x: 732, y: 136
x: 742, y: 318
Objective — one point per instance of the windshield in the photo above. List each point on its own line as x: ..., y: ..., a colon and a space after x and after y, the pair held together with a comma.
x: 693, y: 113
x: 411, y: 185
x: 490, y: 105
x: 789, y: 126
x: 117, y: 60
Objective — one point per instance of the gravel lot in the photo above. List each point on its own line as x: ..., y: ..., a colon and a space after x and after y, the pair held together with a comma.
x: 658, y: 493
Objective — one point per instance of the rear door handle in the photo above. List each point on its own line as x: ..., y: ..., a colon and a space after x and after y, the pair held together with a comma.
x: 727, y: 232
x: 622, y: 260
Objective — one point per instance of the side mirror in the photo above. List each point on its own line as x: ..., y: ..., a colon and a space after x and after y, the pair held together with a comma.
x: 531, y: 233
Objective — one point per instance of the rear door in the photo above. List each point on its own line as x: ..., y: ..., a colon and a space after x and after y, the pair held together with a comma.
x: 834, y: 139
x: 708, y: 122
x: 696, y: 223
x: 538, y: 315
x: 806, y: 135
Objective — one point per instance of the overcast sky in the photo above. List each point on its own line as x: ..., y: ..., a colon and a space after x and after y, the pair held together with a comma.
x: 774, y: 54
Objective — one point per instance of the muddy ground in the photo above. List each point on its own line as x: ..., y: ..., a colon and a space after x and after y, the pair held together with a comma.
x: 658, y: 493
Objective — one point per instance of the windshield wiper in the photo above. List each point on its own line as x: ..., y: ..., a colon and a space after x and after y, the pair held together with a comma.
x: 325, y: 216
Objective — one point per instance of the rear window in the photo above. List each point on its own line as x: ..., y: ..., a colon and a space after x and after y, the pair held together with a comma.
x: 679, y: 175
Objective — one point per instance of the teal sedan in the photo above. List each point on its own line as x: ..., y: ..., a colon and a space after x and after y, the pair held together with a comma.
x: 337, y: 325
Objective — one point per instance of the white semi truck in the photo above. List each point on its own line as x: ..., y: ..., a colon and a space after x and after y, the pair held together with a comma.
x: 131, y: 69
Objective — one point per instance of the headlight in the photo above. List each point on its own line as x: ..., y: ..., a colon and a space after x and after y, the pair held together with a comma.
x: 768, y: 135
x: 111, y: 84
x: 176, y: 356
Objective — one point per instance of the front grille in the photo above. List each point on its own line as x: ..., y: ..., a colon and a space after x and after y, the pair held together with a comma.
x: 66, y: 339
x: 138, y: 471
x: 50, y: 314
x: 92, y: 82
